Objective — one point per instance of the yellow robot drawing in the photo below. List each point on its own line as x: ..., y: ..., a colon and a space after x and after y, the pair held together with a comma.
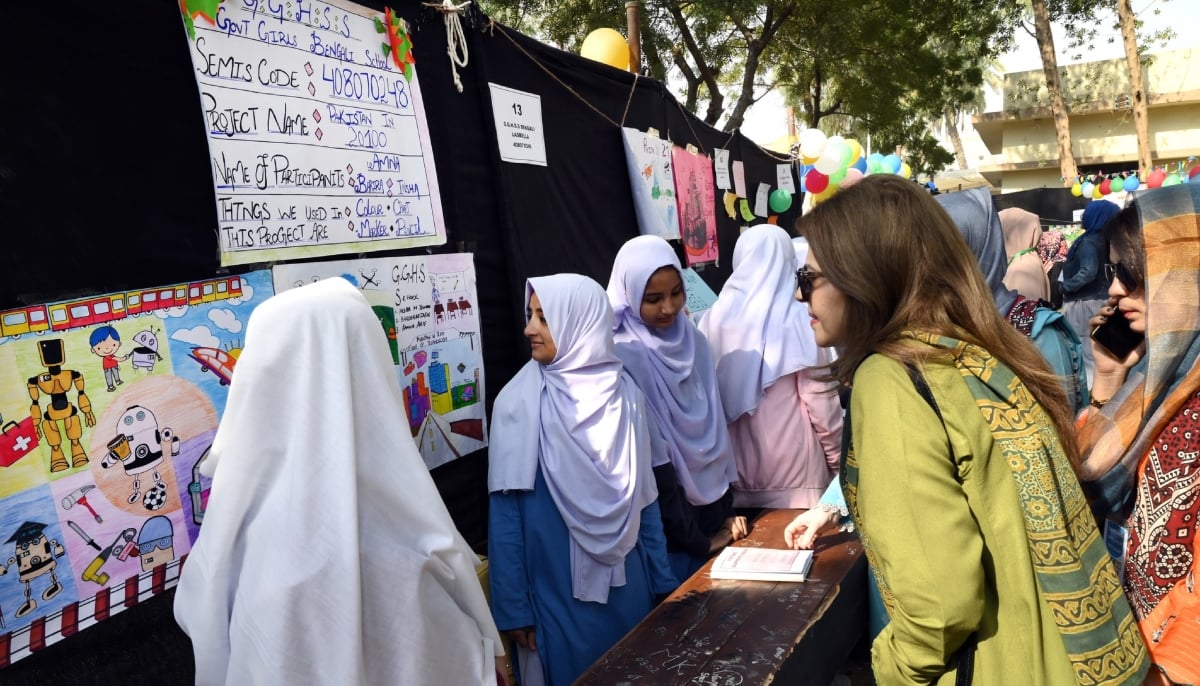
x: 56, y: 382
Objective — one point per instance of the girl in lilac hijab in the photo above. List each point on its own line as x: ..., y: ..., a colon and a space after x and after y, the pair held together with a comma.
x: 575, y: 534
x: 670, y: 362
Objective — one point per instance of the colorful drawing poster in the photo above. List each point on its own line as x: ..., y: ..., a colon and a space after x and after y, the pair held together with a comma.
x: 316, y: 130
x: 696, y: 200
x: 434, y: 332
x: 648, y: 159
x: 108, y: 405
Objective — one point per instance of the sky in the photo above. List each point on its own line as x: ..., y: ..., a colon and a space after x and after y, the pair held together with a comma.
x: 766, y: 121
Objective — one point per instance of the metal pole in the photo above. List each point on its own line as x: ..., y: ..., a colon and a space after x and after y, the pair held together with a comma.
x: 634, y: 32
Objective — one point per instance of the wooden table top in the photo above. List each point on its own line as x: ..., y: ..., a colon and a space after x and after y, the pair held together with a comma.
x: 743, y: 632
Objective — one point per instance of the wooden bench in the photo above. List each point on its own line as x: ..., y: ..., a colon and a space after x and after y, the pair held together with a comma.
x: 738, y: 633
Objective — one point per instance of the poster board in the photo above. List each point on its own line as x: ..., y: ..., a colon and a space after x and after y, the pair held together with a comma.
x: 700, y: 296
x: 434, y: 335
x: 695, y: 198
x: 316, y: 130
x: 141, y: 378
x: 648, y: 161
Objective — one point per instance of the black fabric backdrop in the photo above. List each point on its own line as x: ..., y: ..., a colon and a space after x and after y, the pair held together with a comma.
x: 1051, y: 205
x: 105, y: 185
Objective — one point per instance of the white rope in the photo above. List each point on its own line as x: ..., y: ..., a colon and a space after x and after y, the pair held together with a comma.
x: 456, y: 40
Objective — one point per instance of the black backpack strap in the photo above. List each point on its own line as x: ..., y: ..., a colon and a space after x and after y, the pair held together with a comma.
x: 922, y: 387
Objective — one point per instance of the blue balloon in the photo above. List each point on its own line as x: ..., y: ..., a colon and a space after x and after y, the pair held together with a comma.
x: 1131, y: 182
x: 861, y: 164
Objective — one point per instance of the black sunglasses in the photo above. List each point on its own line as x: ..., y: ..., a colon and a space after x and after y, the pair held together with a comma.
x: 804, y: 282
x: 1120, y: 272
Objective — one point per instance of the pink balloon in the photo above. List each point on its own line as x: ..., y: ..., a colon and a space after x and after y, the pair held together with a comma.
x: 853, y: 176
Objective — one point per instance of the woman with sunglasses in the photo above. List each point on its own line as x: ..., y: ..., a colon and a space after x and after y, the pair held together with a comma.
x: 1140, y: 438
x: 1084, y: 286
x: 957, y: 470
x: 785, y: 426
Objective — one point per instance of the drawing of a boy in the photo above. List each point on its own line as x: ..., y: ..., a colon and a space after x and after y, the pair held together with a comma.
x: 105, y: 342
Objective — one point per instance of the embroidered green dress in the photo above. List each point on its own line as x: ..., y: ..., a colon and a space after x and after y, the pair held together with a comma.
x: 996, y: 539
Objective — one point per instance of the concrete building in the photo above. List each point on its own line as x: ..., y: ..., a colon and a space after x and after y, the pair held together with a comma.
x: 1021, y: 140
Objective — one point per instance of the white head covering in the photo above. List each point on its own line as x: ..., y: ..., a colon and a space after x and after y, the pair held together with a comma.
x: 800, y: 244
x: 582, y: 419
x: 756, y: 329
x: 327, y: 555
x: 674, y: 370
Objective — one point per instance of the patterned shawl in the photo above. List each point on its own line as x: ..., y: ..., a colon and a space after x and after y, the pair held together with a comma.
x: 1114, y: 440
x: 1073, y: 568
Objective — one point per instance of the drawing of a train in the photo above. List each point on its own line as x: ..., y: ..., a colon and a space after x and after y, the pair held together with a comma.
x: 72, y: 314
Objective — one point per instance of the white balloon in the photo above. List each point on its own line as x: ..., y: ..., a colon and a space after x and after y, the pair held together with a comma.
x: 829, y: 161
x: 812, y: 143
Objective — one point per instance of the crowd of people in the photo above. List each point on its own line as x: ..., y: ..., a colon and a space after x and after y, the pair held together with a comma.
x: 1021, y: 473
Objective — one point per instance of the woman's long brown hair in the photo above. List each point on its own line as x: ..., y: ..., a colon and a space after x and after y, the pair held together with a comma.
x: 901, y: 264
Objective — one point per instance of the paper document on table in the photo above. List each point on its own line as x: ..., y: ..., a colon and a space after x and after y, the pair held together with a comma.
x: 762, y: 564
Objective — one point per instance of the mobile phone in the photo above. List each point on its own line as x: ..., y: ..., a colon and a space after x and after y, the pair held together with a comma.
x: 1116, y: 337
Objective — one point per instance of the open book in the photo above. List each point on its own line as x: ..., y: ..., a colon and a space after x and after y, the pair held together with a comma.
x: 762, y: 564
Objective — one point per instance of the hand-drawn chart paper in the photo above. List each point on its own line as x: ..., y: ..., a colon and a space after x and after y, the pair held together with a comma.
x: 648, y: 159
x: 695, y: 197
x: 316, y: 130
x: 434, y: 334
x: 108, y: 405
x: 700, y: 296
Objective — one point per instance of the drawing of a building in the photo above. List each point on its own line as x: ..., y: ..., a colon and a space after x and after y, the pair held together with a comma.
x: 416, y: 401
x: 439, y: 385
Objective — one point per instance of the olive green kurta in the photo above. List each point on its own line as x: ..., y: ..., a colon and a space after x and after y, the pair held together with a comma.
x: 944, y: 573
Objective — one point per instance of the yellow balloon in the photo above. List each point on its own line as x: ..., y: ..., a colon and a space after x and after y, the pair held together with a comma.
x: 809, y: 160
x: 1076, y: 189
x: 607, y: 46
x: 855, y: 150
x: 905, y: 170
x: 1096, y: 194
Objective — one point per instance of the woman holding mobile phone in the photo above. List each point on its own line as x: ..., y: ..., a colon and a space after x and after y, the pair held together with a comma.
x: 1140, y: 438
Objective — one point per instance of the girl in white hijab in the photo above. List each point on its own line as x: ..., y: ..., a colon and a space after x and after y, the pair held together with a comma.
x: 785, y: 426
x: 326, y: 555
x: 670, y: 362
x: 575, y: 540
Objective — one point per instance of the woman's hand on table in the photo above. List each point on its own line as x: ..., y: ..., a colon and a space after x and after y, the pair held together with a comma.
x: 802, y: 533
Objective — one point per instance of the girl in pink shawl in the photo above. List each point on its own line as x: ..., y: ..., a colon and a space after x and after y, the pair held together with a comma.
x: 785, y: 426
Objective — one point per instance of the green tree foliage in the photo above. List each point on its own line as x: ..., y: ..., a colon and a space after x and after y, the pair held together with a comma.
x: 888, y: 67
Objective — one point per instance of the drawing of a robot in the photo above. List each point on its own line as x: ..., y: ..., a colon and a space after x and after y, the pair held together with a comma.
x: 146, y: 353
x: 56, y: 382
x: 35, y: 555
x: 138, y: 446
